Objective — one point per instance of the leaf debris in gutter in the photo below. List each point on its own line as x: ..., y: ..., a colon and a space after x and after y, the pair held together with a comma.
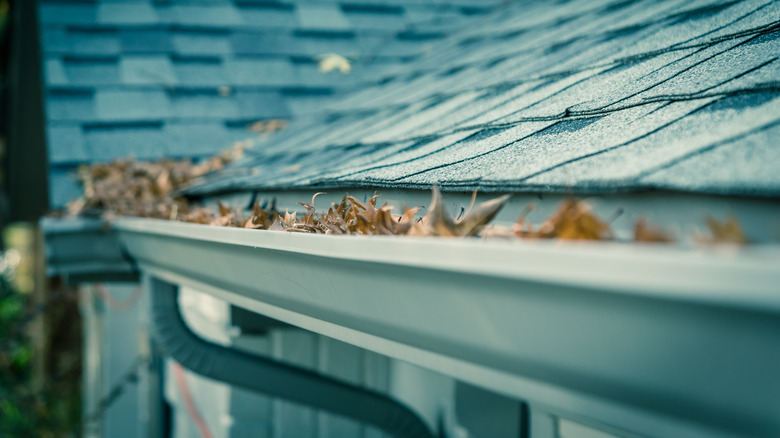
x: 149, y: 189
x: 144, y: 188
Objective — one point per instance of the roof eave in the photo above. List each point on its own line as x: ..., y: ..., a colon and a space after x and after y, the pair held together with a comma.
x: 82, y: 250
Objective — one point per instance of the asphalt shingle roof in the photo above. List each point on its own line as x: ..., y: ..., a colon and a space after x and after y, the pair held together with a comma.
x: 183, y: 78
x: 599, y: 96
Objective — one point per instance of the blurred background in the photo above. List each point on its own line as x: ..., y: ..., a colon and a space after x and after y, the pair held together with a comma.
x: 40, y: 329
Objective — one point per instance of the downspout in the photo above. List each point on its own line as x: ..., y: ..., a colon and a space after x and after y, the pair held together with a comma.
x: 273, y: 378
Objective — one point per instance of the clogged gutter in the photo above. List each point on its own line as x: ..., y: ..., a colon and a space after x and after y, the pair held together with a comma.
x: 150, y: 189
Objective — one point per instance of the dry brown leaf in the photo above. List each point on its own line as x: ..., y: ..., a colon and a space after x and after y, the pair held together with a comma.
x: 521, y: 228
x: 76, y: 206
x: 268, y: 126
x: 646, y: 233
x: 310, y: 205
x: 498, y: 231
x: 260, y: 218
x: 288, y: 220
x: 728, y: 231
x: 573, y: 221
x: 439, y: 222
x: 147, y: 189
x: 471, y: 224
x: 224, y: 210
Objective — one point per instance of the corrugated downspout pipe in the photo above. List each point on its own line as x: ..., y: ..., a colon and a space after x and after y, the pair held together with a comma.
x: 274, y: 378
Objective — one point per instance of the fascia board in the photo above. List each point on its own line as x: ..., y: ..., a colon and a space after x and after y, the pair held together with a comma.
x: 654, y: 340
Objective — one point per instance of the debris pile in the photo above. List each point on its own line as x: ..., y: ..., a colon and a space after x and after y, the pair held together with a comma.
x: 151, y: 189
x: 143, y: 188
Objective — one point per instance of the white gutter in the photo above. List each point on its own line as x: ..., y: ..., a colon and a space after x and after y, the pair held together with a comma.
x: 658, y: 341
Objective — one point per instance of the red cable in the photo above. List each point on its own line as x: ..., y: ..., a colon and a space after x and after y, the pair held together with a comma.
x: 112, y: 303
x: 178, y: 376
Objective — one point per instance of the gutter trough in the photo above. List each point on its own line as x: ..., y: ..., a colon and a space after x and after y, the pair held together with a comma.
x: 653, y: 340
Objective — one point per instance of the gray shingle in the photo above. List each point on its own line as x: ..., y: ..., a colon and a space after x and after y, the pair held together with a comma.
x: 261, y: 17
x: 198, y: 72
x: 315, y: 45
x: 687, y: 135
x: 737, y: 60
x: 206, y: 16
x: 302, y: 106
x: 203, y: 105
x: 54, y: 73
x: 261, y: 72
x: 534, y: 102
x: 131, y: 105
x: 53, y: 13
x: 66, y: 144
x: 405, y: 128
x: 145, y: 40
x: 322, y: 18
x: 63, y: 185
x: 713, y: 170
x: 468, y: 114
x: 261, y: 105
x: 375, y: 21
x: 387, y: 166
x: 764, y: 76
x: 352, y: 131
x: 143, y: 141
x: 299, y: 132
x: 74, y: 105
x: 193, y: 43
x: 54, y: 40
x: 407, y: 48
x: 693, y: 21
x: 126, y: 13
x: 757, y: 13
x: 91, y: 72
x: 188, y: 139
x: 264, y: 43
x: 92, y: 42
x: 146, y: 70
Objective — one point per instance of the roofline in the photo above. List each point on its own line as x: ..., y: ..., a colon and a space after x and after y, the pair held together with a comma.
x: 641, y: 338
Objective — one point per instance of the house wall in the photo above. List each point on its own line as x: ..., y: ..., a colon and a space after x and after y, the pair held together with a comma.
x: 112, y: 316
x: 237, y: 413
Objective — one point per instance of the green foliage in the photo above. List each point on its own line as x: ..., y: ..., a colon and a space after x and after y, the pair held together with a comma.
x: 51, y: 412
x: 5, y: 8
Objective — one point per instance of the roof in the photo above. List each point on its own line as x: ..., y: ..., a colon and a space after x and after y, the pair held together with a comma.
x: 585, y: 97
x: 183, y: 78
